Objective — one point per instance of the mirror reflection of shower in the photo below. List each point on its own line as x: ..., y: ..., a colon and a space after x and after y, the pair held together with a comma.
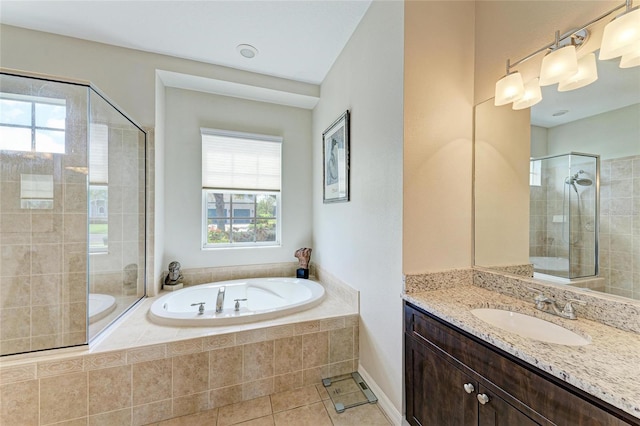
x: 572, y: 181
x: 564, y: 215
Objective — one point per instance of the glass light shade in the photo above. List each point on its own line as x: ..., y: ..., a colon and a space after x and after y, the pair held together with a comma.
x: 632, y: 58
x: 509, y: 88
x: 532, y: 95
x: 558, y: 65
x: 620, y: 35
x: 587, y: 74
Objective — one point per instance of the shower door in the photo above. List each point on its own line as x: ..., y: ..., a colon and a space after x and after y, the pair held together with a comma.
x: 564, y: 192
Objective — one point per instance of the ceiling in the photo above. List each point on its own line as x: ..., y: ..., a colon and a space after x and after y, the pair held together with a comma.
x: 297, y: 39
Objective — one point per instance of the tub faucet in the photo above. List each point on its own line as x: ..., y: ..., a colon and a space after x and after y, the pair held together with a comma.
x: 220, y: 300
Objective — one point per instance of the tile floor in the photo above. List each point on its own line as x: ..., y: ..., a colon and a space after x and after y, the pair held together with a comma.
x: 300, y: 407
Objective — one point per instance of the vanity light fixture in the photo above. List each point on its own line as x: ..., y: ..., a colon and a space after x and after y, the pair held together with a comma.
x: 632, y: 58
x: 561, y: 65
x: 532, y: 95
x: 509, y: 88
x: 622, y: 34
x: 587, y: 74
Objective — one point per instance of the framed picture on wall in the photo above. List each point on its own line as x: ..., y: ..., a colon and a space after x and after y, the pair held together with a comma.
x: 335, y: 157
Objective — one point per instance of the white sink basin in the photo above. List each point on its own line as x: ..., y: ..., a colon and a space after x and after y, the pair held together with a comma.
x: 530, y: 327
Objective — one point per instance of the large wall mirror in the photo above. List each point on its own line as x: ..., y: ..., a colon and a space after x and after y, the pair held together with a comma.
x: 557, y: 186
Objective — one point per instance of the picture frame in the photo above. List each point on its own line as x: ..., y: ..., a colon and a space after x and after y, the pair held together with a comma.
x: 335, y: 161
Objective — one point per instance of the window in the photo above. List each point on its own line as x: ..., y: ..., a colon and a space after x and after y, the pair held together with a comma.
x: 240, y: 189
x: 98, y: 188
x: 535, y: 173
x: 32, y: 123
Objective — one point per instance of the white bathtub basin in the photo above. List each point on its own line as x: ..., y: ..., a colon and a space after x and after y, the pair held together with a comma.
x: 530, y: 327
x: 265, y: 298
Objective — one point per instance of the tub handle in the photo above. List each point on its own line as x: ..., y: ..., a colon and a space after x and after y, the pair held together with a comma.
x: 201, y: 308
x: 238, y: 303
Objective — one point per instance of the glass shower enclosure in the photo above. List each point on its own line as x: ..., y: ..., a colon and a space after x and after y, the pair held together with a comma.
x: 564, y: 197
x: 72, y: 213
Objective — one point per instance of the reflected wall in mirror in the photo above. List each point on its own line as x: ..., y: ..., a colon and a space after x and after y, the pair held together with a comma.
x: 557, y: 187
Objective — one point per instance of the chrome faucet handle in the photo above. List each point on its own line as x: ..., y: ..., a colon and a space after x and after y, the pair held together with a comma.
x: 237, y: 307
x: 540, y: 297
x: 568, y: 310
x: 200, y: 308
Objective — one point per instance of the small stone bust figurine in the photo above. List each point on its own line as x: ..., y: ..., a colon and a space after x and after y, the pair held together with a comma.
x: 303, y: 255
x: 174, y: 275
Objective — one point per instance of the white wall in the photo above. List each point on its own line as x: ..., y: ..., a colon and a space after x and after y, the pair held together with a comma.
x: 360, y: 241
x: 613, y: 134
x: 186, y: 112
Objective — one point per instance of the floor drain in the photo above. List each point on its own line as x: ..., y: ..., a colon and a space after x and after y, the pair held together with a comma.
x: 348, y: 390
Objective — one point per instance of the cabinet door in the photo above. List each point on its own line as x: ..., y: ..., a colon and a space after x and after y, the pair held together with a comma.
x: 494, y: 411
x: 435, y: 389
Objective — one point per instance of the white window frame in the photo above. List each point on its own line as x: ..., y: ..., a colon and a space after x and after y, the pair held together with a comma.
x: 535, y: 173
x: 205, y: 245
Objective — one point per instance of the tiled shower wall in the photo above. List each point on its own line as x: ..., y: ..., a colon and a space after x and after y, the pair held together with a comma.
x: 620, y: 226
x: 152, y: 383
x: 43, y: 259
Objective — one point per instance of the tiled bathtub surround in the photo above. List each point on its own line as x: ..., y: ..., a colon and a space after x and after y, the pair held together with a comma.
x: 144, y: 373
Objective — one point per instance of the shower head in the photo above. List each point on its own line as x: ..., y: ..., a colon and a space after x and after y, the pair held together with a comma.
x: 584, y: 181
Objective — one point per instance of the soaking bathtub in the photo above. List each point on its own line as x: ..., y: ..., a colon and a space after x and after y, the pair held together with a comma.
x: 266, y: 298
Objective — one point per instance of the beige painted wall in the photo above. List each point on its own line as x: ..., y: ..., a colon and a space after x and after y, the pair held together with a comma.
x: 186, y: 112
x: 360, y: 241
x: 438, y: 102
x: 501, y: 188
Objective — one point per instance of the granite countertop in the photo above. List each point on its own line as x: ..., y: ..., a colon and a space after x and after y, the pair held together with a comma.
x: 608, y: 368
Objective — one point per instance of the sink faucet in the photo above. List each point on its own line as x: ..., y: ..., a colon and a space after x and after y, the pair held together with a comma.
x: 220, y: 300
x: 545, y: 304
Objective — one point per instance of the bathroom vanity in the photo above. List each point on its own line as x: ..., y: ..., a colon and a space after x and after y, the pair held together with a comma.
x: 456, y: 373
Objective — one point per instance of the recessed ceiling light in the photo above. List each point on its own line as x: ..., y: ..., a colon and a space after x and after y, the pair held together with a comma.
x: 247, y: 50
x: 559, y: 113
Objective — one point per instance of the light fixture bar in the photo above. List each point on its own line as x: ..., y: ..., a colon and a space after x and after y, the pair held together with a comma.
x: 626, y: 4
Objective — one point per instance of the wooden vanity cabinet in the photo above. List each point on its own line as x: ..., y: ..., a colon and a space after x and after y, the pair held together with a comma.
x: 453, y: 378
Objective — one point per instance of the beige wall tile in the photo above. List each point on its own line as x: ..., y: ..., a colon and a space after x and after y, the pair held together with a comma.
x: 64, y: 366
x: 315, y: 349
x: 82, y: 421
x: 225, y: 367
x: 287, y: 381
x: 340, y: 368
x: 16, y: 259
x: 152, y: 381
x: 15, y: 292
x: 190, y: 404
x: 258, y: 388
x: 104, y: 360
x: 19, y: 403
x: 219, y: 341
x: 47, y: 289
x: 279, y: 332
x: 288, y: 355
x: 243, y: 411
x: 46, y: 259
x: 312, y: 376
x: 112, y: 418
x: 225, y: 396
x: 251, y: 336
x: 46, y: 320
x: 341, y: 344
x: 109, y: 389
x: 258, y: 360
x: 146, y: 353
x: 331, y: 323
x: 184, y: 347
x: 151, y: 413
x: 306, y: 327
x: 63, y: 397
x: 15, y: 323
x: 17, y: 373
x: 190, y: 373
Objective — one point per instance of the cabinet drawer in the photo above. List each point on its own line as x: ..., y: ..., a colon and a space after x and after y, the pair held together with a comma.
x: 556, y: 400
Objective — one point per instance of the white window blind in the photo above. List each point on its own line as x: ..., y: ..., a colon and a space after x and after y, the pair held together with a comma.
x: 240, y: 161
x: 99, y: 153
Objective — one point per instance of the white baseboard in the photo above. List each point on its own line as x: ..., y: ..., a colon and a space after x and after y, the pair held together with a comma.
x: 384, y: 402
